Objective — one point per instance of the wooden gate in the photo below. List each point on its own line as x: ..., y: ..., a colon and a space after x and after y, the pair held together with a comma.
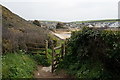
x: 57, y: 57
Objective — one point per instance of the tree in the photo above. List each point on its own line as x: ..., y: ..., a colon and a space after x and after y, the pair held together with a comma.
x: 36, y: 22
x: 59, y: 25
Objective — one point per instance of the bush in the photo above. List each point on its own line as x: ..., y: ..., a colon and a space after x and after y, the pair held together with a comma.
x: 14, y: 40
x: 36, y: 22
x: 41, y: 59
x: 59, y: 26
x: 93, y: 53
x: 17, y: 65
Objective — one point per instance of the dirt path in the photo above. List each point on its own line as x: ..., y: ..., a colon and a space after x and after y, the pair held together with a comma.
x: 61, y: 35
x: 45, y: 72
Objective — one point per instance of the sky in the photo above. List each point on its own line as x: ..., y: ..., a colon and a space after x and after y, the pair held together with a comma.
x: 63, y: 10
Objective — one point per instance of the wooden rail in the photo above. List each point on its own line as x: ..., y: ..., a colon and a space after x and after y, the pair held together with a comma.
x: 57, y: 47
x: 33, y: 47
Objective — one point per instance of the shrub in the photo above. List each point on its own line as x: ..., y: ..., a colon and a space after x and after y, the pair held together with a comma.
x: 93, y: 53
x: 41, y: 59
x: 36, y: 22
x: 14, y: 40
x: 59, y: 26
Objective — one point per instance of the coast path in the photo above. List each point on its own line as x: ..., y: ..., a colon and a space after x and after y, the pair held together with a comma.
x: 45, y: 72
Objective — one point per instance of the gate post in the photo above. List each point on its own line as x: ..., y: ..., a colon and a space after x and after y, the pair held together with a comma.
x: 52, y: 56
x: 62, y: 51
x: 46, y: 47
x: 65, y: 47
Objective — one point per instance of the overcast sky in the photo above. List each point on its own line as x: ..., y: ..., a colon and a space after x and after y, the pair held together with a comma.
x: 64, y: 10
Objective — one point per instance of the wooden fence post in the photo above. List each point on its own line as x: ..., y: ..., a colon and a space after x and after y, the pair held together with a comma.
x: 65, y: 47
x: 46, y: 47
x: 62, y: 51
x: 52, y: 56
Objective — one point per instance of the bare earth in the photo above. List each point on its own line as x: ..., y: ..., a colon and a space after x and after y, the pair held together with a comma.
x: 45, y: 72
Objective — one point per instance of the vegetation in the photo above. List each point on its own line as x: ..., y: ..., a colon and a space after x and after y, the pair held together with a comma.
x: 41, y: 60
x: 59, y: 26
x: 107, y: 20
x: 21, y: 65
x: 36, y: 22
x: 92, y: 53
x: 17, y: 65
x: 17, y: 32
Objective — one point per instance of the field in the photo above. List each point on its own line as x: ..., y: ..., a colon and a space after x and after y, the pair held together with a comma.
x: 107, y: 20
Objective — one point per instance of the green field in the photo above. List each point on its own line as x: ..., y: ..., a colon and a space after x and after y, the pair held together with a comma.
x: 106, y: 20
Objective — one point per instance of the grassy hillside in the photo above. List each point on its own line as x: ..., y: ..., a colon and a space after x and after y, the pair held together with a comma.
x: 17, y: 32
x: 107, y: 20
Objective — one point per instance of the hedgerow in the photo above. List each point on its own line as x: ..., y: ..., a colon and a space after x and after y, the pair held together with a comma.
x: 93, y: 53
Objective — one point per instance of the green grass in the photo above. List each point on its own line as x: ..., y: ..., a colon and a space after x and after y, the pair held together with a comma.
x: 20, y: 65
x: 107, y: 20
x: 49, y: 51
x: 38, y: 51
x: 17, y: 65
x: 41, y: 59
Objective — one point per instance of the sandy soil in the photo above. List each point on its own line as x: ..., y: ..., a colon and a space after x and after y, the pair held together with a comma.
x: 62, y: 35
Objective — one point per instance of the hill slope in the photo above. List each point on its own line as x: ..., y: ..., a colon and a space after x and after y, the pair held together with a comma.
x: 17, y: 32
